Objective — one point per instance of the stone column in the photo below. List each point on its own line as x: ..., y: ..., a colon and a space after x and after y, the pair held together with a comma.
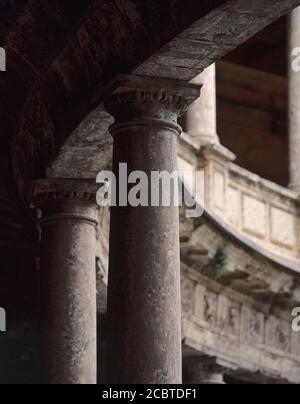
x: 68, y: 277
x: 144, y: 309
x: 203, y: 371
x: 201, y: 120
x: 294, y: 98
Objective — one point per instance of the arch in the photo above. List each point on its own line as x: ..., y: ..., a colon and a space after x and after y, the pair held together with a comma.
x: 103, y: 38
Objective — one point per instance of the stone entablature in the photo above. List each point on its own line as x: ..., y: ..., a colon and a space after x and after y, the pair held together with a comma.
x: 234, y: 328
x: 260, y: 210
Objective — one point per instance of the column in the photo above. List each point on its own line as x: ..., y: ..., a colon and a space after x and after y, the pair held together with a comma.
x: 201, y: 120
x: 294, y: 98
x: 68, y: 279
x: 201, y: 370
x: 144, y: 308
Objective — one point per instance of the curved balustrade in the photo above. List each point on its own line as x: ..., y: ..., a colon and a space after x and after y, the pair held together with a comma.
x: 259, y: 210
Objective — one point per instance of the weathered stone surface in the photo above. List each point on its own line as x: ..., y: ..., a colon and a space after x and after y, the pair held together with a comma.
x: 144, y: 320
x: 68, y: 280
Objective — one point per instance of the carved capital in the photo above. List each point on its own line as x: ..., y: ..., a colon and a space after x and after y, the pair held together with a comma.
x: 146, y: 101
x: 61, y: 189
x: 62, y: 199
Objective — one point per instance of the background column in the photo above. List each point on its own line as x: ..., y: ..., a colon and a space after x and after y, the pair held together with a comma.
x: 294, y: 98
x: 201, y: 118
x: 68, y: 277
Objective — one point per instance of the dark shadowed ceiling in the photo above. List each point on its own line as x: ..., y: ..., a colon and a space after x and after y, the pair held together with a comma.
x: 266, y: 51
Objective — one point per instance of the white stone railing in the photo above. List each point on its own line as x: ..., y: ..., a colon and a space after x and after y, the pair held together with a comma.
x: 264, y: 212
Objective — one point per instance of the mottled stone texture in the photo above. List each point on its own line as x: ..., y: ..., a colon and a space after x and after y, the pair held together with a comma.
x: 68, y: 275
x: 144, y: 344
x: 294, y: 99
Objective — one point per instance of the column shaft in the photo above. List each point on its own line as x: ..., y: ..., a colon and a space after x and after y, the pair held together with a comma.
x: 144, y: 309
x: 294, y: 99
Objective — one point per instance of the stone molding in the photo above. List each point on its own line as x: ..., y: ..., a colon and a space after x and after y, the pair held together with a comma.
x: 62, y: 199
x: 60, y: 189
x: 154, y: 122
x: 143, y: 102
x: 123, y: 102
x: 131, y: 96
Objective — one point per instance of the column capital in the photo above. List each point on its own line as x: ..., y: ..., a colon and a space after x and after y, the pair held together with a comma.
x: 66, y: 199
x: 155, y: 98
x: 47, y: 190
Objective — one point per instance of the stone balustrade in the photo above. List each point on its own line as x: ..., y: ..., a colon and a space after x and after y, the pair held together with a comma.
x: 263, y: 212
x: 229, y: 325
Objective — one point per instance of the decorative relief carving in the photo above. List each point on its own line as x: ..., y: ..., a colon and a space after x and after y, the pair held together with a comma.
x: 279, y: 334
x: 241, y: 320
x: 211, y: 308
x: 187, y: 296
x: 121, y: 104
x: 283, y: 227
x: 282, y: 336
x: 253, y: 325
x: 206, y: 306
x: 254, y: 216
x: 229, y: 315
x: 295, y: 343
